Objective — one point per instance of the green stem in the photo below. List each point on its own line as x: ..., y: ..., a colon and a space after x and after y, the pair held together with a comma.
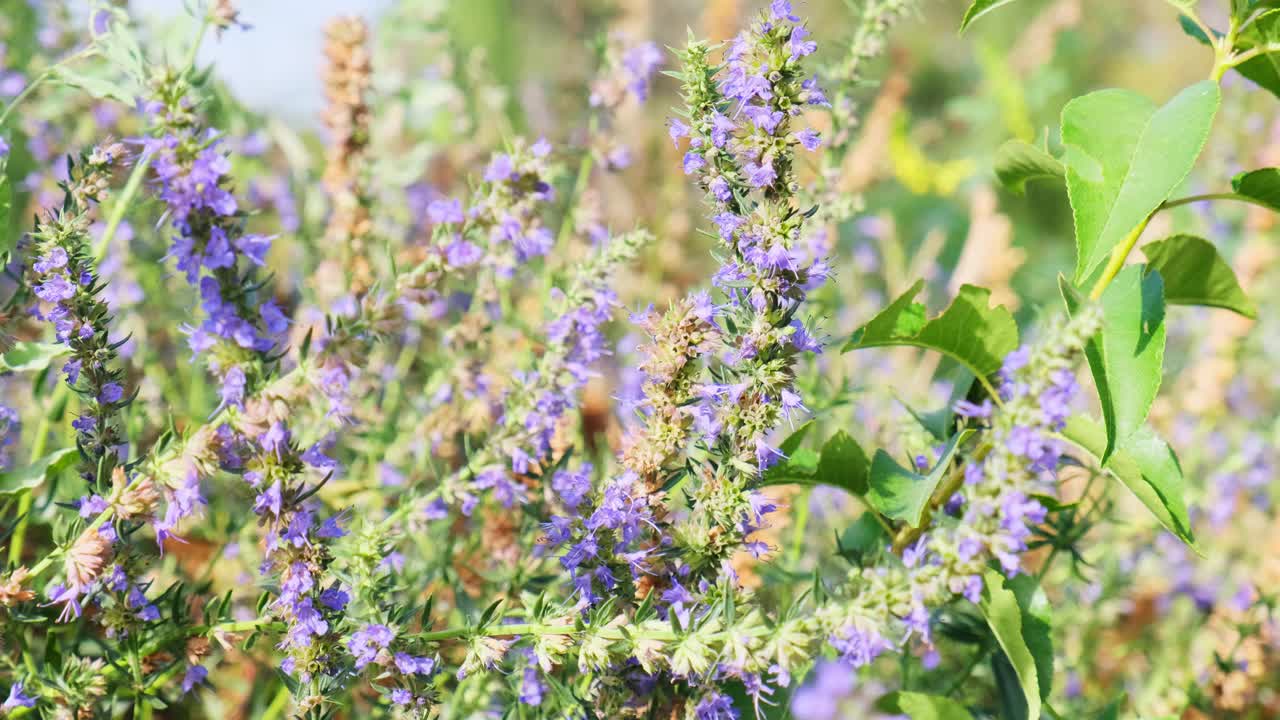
x: 1214, y: 196
x: 39, y: 80
x: 1118, y: 256
x: 278, y: 704
x: 27, y: 500
x: 121, y: 206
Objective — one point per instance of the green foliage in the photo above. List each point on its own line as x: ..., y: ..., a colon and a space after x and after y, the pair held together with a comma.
x: 33, y: 476
x: 1018, y: 162
x: 900, y: 494
x: 1146, y: 465
x: 31, y: 356
x: 1126, y: 357
x: 1004, y: 615
x: 841, y: 463
x: 7, y: 239
x: 1262, y: 186
x: 1195, y: 274
x: 1124, y: 157
x: 918, y: 706
x: 969, y: 331
x: 978, y: 9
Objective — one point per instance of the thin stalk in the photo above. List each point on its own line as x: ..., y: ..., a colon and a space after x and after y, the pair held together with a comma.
x: 1214, y: 196
x: 40, y: 79
x: 1118, y: 256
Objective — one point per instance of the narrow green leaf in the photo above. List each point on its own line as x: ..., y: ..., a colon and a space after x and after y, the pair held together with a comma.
x: 1126, y: 357
x: 1262, y: 185
x: 1037, y: 627
x: 34, y: 475
x: 900, y: 494
x: 1264, y: 70
x: 919, y: 706
x: 7, y: 239
x: 1146, y: 465
x: 978, y: 9
x: 1195, y: 274
x: 969, y: 331
x: 1144, y: 152
x: 30, y: 356
x: 1004, y: 615
x: 1018, y: 162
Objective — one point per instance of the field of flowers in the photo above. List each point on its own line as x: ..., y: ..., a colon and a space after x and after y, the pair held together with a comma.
x: 662, y: 359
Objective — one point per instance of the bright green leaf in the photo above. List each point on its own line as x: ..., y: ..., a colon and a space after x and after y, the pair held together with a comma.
x: 900, y: 494
x: 1037, y: 627
x: 918, y: 706
x: 1004, y: 616
x: 864, y: 537
x: 1195, y: 274
x: 843, y: 464
x: 969, y: 331
x: 1261, y: 185
x: 1146, y: 465
x: 1017, y: 162
x: 1144, y: 153
x: 978, y: 9
x: 1264, y: 69
x: 1127, y: 355
x: 34, y: 475
x: 30, y: 356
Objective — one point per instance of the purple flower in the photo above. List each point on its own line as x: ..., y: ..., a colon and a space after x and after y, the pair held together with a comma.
x: 500, y: 169
x: 195, y: 675
x: 532, y: 687
x: 56, y: 289
x: 677, y: 129
x: 641, y: 62
x: 693, y: 162
x: 809, y: 139
x: 110, y: 393
x: 446, y: 210
x: 781, y: 10
x: 18, y: 697
x: 401, y: 696
x: 859, y: 645
x: 715, y: 706
x: 762, y: 175
x: 766, y: 454
x: 799, y: 46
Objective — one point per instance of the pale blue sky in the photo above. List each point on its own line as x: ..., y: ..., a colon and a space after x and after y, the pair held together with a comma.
x: 277, y: 64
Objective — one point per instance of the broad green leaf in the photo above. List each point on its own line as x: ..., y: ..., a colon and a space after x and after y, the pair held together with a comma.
x: 1146, y: 465
x: 918, y: 706
x: 969, y: 331
x: 1144, y: 153
x: 1126, y: 357
x: 1004, y: 615
x: 864, y: 537
x: 799, y: 464
x: 96, y: 84
x: 900, y: 494
x: 1195, y: 274
x: 1017, y: 162
x: 843, y: 464
x: 978, y: 9
x: 1261, y: 185
x: 31, y: 356
x: 1265, y: 68
x: 34, y: 475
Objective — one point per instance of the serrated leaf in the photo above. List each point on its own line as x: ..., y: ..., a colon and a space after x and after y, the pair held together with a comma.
x: 33, y: 476
x: 1261, y: 185
x: 1126, y: 356
x: 1144, y: 152
x: 31, y: 356
x: 900, y: 494
x: 1004, y: 616
x: 1195, y: 274
x: 1146, y: 465
x: 978, y: 9
x: 843, y: 464
x: 969, y: 331
x: 1037, y: 627
x: 1018, y: 162
x: 919, y: 706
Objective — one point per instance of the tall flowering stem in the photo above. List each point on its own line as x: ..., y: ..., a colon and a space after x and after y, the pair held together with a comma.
x: 64, y: 279
x: 740, y: 120
x: 346, y: 81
